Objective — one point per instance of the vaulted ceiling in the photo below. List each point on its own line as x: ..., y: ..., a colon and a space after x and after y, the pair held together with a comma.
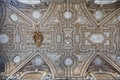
x: 60, y: 39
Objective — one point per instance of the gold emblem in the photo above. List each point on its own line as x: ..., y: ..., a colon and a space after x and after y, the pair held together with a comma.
x: 38, y: 38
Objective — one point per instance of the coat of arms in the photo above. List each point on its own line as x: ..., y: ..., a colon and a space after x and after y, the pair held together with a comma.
x: 38, y: 38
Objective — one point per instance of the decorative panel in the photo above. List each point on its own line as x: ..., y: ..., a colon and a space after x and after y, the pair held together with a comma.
x: 59, y: 39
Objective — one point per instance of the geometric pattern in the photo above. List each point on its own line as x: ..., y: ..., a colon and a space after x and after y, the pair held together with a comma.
x: 73, y: 39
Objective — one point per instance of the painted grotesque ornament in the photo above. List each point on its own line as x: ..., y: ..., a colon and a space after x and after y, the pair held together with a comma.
x: 38, y: 38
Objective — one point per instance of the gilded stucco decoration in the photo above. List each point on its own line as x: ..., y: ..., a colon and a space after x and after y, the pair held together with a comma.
x: 37, y: 37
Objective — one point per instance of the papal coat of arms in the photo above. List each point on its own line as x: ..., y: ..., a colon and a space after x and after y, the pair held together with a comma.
x: 38, y: 38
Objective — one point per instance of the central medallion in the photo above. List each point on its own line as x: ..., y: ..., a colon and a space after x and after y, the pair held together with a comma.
x: 4, y: 38
x: 36, y: 14
x: 68, y: 62
x: 97, y: 38
x: 38, y: 38
x: 67, y: 14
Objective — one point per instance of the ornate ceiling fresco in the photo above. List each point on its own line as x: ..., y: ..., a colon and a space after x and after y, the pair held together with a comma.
x: 60, y: 39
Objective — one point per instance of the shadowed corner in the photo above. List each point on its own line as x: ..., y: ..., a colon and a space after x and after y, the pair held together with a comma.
x: 2, y: 67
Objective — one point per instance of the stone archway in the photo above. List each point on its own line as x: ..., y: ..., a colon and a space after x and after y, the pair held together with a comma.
x: 35, y: 76
x: 100, y: 69
x: 104, y: 76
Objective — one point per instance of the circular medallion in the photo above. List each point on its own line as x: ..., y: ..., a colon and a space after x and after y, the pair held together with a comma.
x: 118, y: 18
x: 104, y: 1
x: 67, y: 14
x: 4, y: 38
x: 118, y: 59
x: 14, y: 17
x: 47, y: 77
x: 97, y: 38
x: 30, y: 1
x: 97, y: 62
x: 36, y: 14
x: 38, y: 61
x: 68, y: 62
x: 16, y: 59
x: 98, y: 15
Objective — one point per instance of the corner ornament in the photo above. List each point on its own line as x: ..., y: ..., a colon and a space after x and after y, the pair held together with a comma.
x: 38, y: 38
